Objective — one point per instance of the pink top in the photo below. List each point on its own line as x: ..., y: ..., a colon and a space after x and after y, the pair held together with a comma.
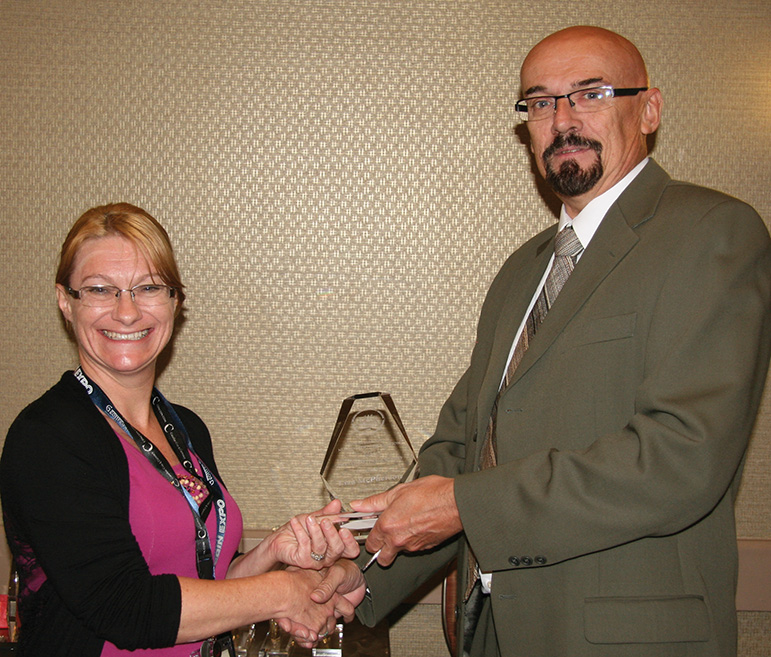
x: 163, y: 525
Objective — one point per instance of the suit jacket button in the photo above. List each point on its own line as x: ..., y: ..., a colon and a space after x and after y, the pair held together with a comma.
x: 527, y: 561
x: 540, y: 560
x: 514, y: 561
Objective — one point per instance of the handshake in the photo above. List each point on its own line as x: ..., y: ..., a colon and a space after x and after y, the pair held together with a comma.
x: 313, y: 557
x: 315, y: 580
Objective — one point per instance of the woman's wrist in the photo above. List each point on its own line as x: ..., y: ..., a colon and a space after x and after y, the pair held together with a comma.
x: 272, y: 556
x: 260, y: 559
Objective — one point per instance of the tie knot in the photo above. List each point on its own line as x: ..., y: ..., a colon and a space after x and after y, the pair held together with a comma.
x: 566, y: 243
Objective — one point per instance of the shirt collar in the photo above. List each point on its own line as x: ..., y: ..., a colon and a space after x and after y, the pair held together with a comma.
x: 586, y: 222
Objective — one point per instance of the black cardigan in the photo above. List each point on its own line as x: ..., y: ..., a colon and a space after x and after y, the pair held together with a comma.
x: 64, y: 482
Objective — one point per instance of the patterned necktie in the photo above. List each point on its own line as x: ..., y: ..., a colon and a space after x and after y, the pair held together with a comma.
x: 567, y: 248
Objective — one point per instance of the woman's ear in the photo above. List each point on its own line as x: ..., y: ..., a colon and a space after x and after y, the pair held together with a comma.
x: 65, y: 302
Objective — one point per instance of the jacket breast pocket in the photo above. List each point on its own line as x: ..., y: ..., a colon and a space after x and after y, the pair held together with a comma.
x: 604, y: 329
x: 665, y: 619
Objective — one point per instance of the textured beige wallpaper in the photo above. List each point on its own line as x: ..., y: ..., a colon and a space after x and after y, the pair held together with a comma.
x: 341, y: 179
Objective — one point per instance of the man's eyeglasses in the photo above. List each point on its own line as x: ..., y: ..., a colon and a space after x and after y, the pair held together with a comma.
x: 594, y: 99
x: 106, y: 296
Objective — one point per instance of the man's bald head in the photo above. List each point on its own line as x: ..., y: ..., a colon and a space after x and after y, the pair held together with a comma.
x: 582, y: 39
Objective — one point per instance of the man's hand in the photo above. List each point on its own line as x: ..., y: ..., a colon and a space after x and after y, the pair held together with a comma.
x: 345, y: 580
x: 415, y: 516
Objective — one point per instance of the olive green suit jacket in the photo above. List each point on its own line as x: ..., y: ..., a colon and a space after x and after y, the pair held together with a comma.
x: 608, y: 523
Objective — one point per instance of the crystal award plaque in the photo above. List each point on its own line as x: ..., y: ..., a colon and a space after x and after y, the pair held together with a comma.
x: 369, y: 451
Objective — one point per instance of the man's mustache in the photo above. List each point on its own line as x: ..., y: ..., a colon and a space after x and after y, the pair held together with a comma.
x: 561, y: 141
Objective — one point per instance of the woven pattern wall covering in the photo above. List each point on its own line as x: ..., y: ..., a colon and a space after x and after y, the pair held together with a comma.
x: 341, y: 179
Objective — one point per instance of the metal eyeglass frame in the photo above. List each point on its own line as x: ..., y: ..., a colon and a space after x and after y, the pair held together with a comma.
x: 521, y: 104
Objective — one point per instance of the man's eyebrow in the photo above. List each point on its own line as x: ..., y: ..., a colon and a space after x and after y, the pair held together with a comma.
x: 534, y: 89
x: 539, y: 88
x: 587, y: 82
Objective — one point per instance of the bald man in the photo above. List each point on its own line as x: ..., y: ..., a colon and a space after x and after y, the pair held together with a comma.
x: 586, y: 464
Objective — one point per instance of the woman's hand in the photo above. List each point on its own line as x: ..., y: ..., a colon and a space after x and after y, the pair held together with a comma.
x: 307, y: 542
x: 295, y: 543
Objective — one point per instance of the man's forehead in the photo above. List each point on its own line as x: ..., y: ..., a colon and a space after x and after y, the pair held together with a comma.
x: 567, y: 60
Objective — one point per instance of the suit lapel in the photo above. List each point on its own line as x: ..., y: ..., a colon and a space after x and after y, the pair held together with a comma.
x: 517, y: 298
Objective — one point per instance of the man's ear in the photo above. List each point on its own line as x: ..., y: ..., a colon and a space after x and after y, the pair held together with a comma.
x: 651, y: 112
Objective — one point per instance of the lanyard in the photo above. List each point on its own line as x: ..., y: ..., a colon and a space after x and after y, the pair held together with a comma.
x: 179, y: 441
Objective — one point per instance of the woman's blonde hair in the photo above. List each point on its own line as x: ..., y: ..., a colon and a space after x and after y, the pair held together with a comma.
x: 131, y: 223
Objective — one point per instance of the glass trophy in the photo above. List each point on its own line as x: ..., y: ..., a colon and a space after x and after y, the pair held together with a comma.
x: 369, y: 452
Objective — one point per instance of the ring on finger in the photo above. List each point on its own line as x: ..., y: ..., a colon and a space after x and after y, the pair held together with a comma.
x: 316, y: 556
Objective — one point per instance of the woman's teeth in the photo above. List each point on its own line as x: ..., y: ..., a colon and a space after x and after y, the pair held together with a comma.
x: 138, y: 335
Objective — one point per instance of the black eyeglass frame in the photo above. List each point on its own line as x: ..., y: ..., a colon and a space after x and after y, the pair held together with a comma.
x: 521, y: 105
